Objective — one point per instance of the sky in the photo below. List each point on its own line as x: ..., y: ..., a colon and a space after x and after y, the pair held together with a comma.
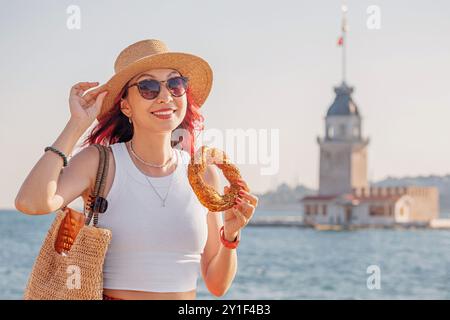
x: 275, y: 65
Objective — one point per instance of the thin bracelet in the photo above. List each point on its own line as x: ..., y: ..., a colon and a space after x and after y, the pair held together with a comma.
x: 63, y: 156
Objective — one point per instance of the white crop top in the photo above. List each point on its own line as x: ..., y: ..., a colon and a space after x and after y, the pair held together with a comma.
x: 153, y: 248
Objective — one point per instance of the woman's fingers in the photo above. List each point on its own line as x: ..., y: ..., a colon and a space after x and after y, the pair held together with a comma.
x: 93, y: 94
x: 243, y: 184
x: 247, y: 209
x: 80, y: 87
x: 84, y: 85
x: 99, y: 100
x: 248, y: 196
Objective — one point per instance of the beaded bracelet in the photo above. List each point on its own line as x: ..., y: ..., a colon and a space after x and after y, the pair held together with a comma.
x: 59, y: 153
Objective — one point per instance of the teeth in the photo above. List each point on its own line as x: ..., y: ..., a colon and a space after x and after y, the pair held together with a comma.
x: 164, y: 113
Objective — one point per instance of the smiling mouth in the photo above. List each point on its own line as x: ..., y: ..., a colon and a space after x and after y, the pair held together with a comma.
x: 163, y: 113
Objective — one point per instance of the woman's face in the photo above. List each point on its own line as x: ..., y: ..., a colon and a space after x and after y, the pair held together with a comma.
x: 142, y: 110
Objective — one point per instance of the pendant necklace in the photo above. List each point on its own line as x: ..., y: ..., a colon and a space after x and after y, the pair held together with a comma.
x: 157, y: 166
x: 163, y: 200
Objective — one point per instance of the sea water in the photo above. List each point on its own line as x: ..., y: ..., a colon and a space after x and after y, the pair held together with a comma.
x: 284, y: 262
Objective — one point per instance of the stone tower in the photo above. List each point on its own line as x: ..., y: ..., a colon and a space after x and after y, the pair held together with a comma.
x: 343, y: 150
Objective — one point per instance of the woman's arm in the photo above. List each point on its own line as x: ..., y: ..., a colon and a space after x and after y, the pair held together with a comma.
x: 219, y: 264
x: 221, y: 271
x: 38, y: 190
x: 37, y: 193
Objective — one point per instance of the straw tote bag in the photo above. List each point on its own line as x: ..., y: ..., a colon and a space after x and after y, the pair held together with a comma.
x: 70, y: 263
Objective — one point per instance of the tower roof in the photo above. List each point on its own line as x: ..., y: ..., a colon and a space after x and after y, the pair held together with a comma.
x: 343, y: 104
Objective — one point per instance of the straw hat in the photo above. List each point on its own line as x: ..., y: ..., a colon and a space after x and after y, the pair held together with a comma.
x: 149, y: 54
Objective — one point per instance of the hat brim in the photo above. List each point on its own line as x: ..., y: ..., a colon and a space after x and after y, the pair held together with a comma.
x: 195, y: 68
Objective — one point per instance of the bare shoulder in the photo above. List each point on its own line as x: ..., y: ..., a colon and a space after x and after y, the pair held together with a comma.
x: 87, y: 161
x: 89, y: 155
x: 77, y: 179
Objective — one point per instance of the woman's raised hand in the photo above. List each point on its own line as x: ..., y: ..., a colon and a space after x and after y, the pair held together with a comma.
x: 84, y: 108
x: 239, y: 216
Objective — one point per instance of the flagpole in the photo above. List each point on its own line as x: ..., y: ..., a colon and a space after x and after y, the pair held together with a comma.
x: 344, y: 44
x: 344, y: 41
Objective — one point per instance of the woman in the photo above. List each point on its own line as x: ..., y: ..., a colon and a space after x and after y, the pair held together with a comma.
x: 162, y: 236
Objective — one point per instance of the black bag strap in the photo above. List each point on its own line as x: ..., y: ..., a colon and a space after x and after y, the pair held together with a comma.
x: 96, y: 202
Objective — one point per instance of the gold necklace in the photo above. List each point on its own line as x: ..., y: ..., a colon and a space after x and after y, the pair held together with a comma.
x: 170, y: 184
x: 147, y: 163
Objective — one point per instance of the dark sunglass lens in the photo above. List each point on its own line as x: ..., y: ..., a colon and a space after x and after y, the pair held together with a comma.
x: 149, y: 89
x: 177, y: 86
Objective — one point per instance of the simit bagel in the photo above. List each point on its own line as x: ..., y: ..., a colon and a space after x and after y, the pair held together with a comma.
x: 206, y: 194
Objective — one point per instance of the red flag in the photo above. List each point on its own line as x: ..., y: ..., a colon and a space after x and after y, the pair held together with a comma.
x: 340, y: 41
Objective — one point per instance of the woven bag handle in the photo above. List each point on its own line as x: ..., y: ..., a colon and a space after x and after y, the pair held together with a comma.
x: 97, y: 203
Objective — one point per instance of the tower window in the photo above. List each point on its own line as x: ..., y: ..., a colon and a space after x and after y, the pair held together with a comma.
x: 330, y: 131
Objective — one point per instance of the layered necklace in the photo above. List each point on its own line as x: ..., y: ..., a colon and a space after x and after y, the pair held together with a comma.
x: 163, y: 200
x: 147, y: 163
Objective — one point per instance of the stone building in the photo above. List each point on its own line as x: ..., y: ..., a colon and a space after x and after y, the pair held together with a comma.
x: 345, y: 197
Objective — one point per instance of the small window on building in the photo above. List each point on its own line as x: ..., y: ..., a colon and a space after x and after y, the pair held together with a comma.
x: 348, y: 213
x: 376, y: 210
x: 324, y: 209
x: 331, y: 131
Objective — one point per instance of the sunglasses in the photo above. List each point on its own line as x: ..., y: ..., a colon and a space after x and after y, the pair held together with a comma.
x: 149, y: 88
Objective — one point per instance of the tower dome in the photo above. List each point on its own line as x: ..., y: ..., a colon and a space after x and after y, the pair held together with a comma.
x: 343, y: 104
